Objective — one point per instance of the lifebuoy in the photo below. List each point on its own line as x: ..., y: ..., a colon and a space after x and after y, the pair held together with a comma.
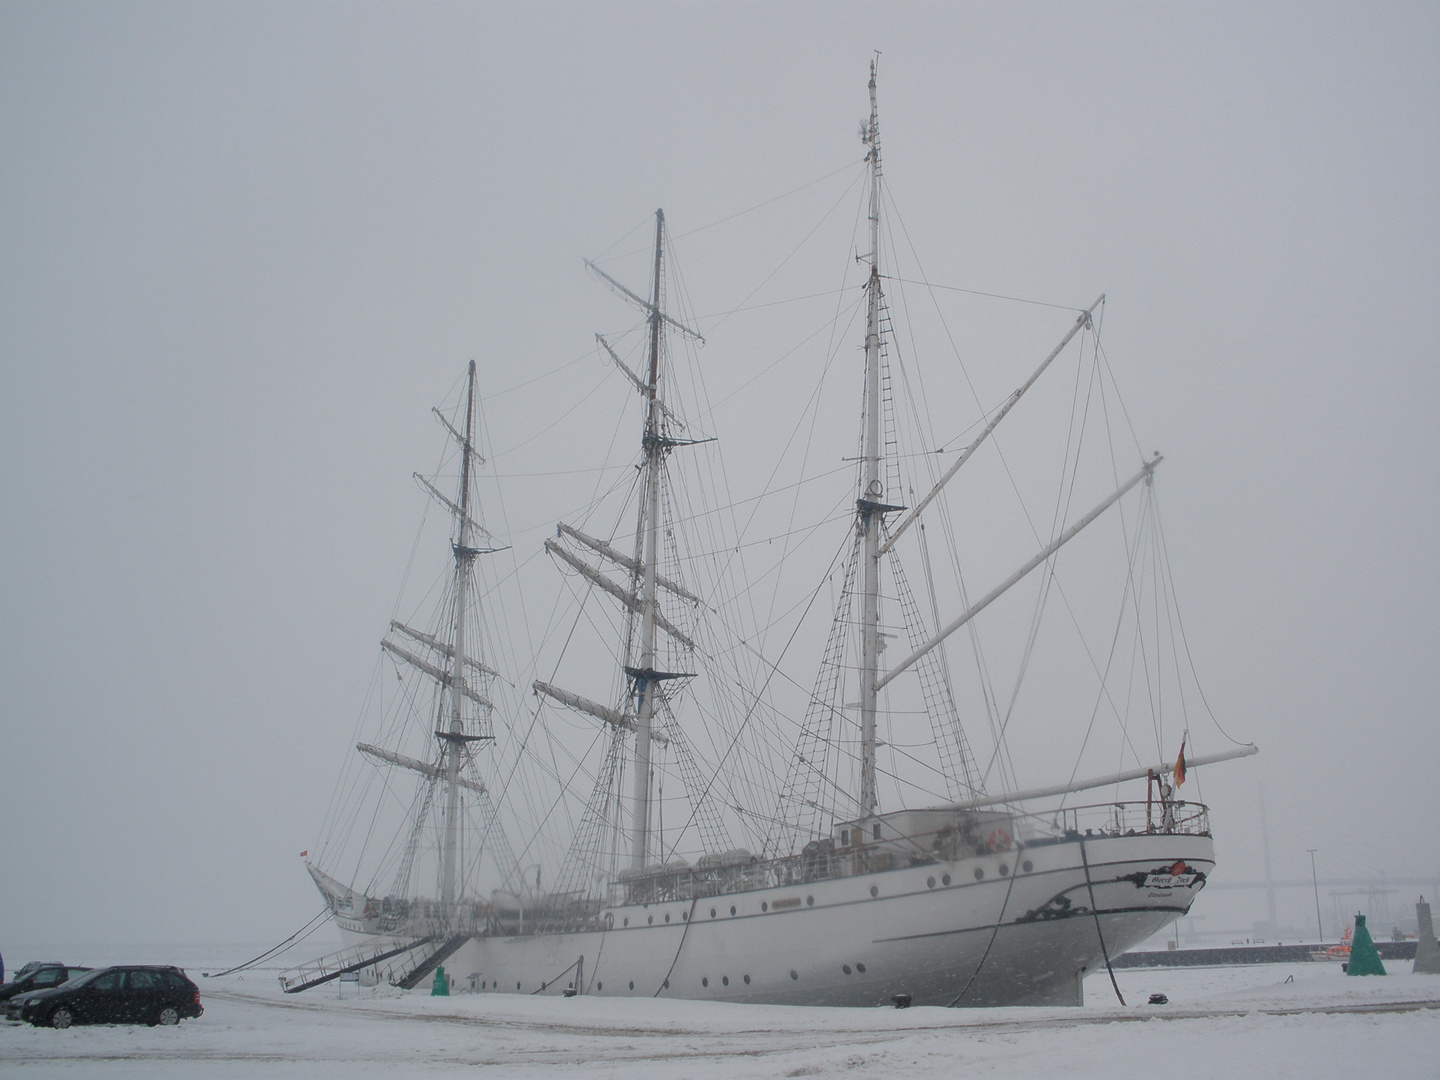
x: 998, y: 840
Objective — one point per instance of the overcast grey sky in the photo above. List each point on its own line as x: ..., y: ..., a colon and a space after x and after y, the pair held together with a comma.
x: 245, y: 247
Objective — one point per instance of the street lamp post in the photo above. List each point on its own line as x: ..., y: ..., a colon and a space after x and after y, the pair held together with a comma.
x: 521, y: 893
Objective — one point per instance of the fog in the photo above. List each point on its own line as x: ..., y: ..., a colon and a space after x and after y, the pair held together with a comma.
x: 245, y: 248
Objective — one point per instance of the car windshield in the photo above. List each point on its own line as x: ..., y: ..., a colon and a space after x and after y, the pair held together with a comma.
x: 88, y: 977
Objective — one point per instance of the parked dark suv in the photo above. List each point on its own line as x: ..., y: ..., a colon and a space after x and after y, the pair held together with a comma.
x: 39, y: 977
x: 113, y: 995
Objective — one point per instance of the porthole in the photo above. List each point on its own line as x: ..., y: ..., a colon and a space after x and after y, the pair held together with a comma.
x: 1004, y: 870
x: 684, y: 916
x: 845, y: 968
x: 874, y: 890
x: 517, y: 986
x: 632, y: 984
x: 725, y: 980
x: 627, y: 920
x: 764, y: 905
x: 609, y: 920
x: 860, y: 968
x: 649, y: 920
x: 794, y: 974
x: 667, y: 916
x: 712, y: 912
x: 542, y: 986
x: 732, y: 909
x: 930, y: 883
x: 747, y: 980
x: 599, y: 986
x: 1027, y: 866
x: 979, y: 873
x: 809, y: 901
x: 705, y: 981
x: 665, y: 985
x: 945, y: 880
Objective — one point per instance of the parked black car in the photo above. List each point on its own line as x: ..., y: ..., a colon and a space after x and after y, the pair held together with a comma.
x: 39, y: 977
x: 31, y: 966
x: 113, y: 995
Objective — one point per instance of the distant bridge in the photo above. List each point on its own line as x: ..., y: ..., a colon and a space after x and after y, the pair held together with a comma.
x: 1362, y: 884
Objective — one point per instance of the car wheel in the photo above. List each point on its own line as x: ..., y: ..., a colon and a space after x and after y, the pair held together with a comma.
x: 168, y: 1016
x: 62, y: 1018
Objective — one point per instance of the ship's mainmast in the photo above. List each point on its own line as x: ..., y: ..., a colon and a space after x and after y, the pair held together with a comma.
x: 870, y: 507
x: 454, y: 739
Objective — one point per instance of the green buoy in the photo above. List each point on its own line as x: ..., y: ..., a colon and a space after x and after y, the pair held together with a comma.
x: 1364, y: 957
x: 441, y: 986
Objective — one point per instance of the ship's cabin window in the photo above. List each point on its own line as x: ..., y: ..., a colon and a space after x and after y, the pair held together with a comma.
x: 877, y: 830
x: 844, y: 837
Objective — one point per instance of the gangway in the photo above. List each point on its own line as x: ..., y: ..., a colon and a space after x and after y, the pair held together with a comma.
x: 333, y: 965
x: 429, y: 962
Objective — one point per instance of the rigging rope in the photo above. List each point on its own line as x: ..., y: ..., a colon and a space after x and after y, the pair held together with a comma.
x: 294, y: 939
x: 689, y: 918
x: 1096, y: 912
x: 994, y: 933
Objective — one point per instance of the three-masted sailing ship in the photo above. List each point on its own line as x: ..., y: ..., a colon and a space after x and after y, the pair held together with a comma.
x: 978, y: 898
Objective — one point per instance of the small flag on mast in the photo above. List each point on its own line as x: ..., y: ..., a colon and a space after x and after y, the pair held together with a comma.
x: 304, y: 854
x: 1180, y: 763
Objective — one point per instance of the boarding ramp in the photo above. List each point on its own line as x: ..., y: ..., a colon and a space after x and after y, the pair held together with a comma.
x: 391, y: 958
x: 428, y: 960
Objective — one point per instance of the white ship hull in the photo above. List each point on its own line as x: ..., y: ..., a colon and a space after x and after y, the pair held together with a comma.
x: 1010, y: 937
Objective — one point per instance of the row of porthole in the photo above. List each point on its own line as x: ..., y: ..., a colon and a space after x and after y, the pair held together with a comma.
x: 764, y: 906
x: 598, y: 986
x: 945, y: 879
x: 650, y: 919
x: 1003, y: 868
x: 724, y: 979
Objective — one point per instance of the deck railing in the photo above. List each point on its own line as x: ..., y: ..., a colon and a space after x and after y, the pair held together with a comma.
x: 824, y: 860
x: 966, y: 835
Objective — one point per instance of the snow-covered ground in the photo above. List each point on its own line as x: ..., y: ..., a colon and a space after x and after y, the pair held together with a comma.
x: 1278, y: 1020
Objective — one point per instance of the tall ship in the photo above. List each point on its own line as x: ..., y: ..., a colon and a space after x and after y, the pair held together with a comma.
x: 732, y: 838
